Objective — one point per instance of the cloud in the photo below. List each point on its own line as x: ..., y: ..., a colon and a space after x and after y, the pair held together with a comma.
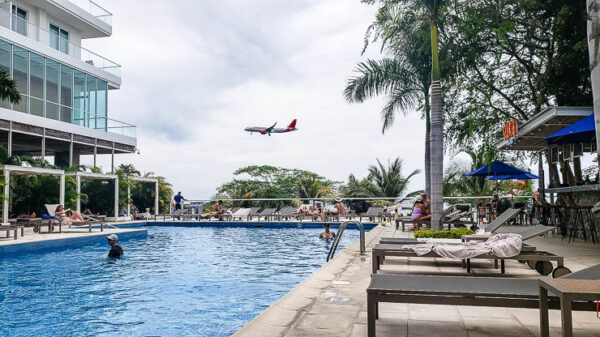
x: 196, y: 73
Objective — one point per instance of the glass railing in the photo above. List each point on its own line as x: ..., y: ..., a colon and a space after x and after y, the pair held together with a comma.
x: 94, y: 9
x: 41, y: 35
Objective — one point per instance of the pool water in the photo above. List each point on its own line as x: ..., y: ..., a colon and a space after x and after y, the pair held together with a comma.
x: 177, y: 281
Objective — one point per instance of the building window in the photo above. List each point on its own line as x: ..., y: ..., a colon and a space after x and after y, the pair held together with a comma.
x: 19, y: 20
x: 59, y: 39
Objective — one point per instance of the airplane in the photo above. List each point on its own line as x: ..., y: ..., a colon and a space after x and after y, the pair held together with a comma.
x: 271, y: 129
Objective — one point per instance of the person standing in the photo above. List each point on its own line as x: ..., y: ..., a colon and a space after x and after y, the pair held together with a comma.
x: 115, y: 250
x: 179, y: 201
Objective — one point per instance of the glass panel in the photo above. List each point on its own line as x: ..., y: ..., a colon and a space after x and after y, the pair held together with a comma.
x: 66, y: 86
x: 65, y: 114
x: 51, y: 110
x: 5, y: 51
x: 37, y: 107
x: 22, y: 106
x: 101, y: 97
x: 19, y: 24
x: 101, y: 123
x: 91, y: 95
x: 64, y: 41
x: 78, y: 117
x: 20, y: 69
x: 52, y: 69
x: 36, y: 66
x: 54, y: 36
x: 91, y: 120
x: 79, y: 91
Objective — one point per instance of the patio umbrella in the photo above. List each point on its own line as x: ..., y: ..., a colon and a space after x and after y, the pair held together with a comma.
x: 522, y: 176
x: 496, y: 168
x: 582, y: 131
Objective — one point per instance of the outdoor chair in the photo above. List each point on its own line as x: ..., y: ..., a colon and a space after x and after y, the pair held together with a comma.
x: 241, y: 213
x: 51, y: 209
x: 501, y: 220
x: 13, y: 227
x: 372, y: 214
x: 266, y: 213
x: 286, y: 213
x: 469, y: 291
x: 253, y: 212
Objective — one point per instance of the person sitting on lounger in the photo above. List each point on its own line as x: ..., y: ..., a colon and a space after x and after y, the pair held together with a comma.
x: 327, y: 234
x: 87, y: 211
x: 115, y: 250
x: 427, y: 203
x: 218, y: 208
x: 67, y: 216
x: 134, y: 212
x: 339, y: 207
x: 304, y: 209
x: 319, y: 212
x: 418, y: 212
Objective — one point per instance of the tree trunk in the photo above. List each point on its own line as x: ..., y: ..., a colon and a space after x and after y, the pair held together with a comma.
x: 593, y: 7
x: 437, y: 134
x: 427, y: 142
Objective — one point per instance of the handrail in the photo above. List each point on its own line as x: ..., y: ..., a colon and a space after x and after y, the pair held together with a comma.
x: 338, y: 237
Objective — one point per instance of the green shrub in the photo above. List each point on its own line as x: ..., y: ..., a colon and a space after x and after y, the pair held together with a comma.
x: 444, y: 234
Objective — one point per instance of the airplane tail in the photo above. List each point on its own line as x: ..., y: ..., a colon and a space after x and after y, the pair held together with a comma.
x: 292, y: 125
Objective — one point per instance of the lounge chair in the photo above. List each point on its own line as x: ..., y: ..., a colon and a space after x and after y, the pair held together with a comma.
x: 533, y: 257
x: 266, y: 213
x: 465, y: 290
x: 253, y: 212
x: 372, y: 214
x: 51, y: 209
x: 286, y: 213
x: 12, y: 227
x: 241, y: 213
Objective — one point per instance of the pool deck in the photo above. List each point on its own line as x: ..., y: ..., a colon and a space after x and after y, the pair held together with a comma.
x: 332, y: 301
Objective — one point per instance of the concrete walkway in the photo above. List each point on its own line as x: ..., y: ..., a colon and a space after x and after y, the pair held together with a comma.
x: 332, y: 301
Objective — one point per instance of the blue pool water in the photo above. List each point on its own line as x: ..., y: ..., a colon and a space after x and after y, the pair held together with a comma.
x: 177, y: 281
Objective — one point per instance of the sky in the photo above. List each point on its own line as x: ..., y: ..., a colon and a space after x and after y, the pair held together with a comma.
x: 196, y: 73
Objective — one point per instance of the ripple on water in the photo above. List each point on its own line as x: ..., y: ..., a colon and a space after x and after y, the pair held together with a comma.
x: 175, y: 282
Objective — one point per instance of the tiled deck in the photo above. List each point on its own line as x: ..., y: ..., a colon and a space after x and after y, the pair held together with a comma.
x: 332, y: 301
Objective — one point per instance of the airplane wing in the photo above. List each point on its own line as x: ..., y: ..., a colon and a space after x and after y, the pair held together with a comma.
x: 269, y: 129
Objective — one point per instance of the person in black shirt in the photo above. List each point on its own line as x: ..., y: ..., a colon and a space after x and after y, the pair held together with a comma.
x: 115, y: 251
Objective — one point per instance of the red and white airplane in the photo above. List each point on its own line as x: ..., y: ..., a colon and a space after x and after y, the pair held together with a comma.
x: 272, y: 129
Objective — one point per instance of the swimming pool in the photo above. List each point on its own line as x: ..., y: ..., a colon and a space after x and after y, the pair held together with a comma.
x: 177, y: 281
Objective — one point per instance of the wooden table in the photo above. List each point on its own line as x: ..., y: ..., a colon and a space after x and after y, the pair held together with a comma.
x: 567, y: 290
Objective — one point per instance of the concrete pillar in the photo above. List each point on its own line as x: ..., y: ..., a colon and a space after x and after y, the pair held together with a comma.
x: 78, y: 206
x: 61, y: 198
x: 71, y: 152
x: 156, y: 198
x: 593, y: 30
x: 95, y: 151
x: 10, y: 141
x: 43, y: 152
x: 128, y: 200
x: 112, y: 160
x: 116, y: 197
x: 6, y: 196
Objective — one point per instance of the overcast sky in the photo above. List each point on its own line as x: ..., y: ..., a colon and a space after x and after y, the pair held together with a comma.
x: 195, y: 73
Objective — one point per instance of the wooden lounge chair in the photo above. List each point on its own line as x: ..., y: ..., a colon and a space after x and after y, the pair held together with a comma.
x: 285, y: 213
x: 465, y: 290
x: 381, y: 251
x: 253, y: 212
x: 241, y: 213
x: 266, y: 213
x: 372, y: 214
x: 12, y: 227
x: 51, y: 209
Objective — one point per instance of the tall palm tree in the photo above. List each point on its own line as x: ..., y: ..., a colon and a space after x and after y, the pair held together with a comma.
x: 404, y: 76
x: 593, y: 7
x: 8, y: 88
x: 389, y: 181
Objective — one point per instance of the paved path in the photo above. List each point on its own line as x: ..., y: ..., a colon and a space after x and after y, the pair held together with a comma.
x: 332, y: 301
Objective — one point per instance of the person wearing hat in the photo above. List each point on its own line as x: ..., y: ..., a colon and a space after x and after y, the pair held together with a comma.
x: 419, y: 212
x: 115, y: 251
x: 339, y: 207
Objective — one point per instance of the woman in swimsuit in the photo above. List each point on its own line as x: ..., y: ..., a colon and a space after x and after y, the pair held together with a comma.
x: 67, y: 216
x: 419, y: 212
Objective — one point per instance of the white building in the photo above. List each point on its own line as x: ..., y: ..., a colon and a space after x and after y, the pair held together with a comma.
x: 64, y: 87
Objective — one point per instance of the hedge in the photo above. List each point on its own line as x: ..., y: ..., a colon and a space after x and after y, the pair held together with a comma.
x: 444, y: 234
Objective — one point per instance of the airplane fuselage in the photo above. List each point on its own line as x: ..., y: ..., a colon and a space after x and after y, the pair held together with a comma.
x: 268, y: 130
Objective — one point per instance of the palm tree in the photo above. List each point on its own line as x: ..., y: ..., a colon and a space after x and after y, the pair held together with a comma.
x: 8, y: 88
x: 405, y: 76
x: 388, y: 181
x: 313, y: 186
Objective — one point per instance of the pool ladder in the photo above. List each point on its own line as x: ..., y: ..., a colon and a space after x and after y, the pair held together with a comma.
x: 338, y: 237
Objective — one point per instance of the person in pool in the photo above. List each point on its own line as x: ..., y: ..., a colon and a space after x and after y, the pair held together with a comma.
x: 327, y: 234
x: 115, y: 250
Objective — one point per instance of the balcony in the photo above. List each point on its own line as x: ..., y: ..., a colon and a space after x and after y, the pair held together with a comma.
x: 34, y: 32
x: 94, y: 9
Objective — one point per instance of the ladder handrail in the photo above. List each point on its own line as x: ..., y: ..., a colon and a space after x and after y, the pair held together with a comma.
x: 338, y: 237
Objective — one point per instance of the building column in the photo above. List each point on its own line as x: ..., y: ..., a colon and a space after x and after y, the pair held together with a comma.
x: 61, y: 198
x: 71, y: 152
x: 112, y: 159
x: 10, y: 140
x: 156, y: 198
x: 95, y: 151
x: 78, y: 180
x: 6, y: 196
x: 44, y: 145
x: 116, y: 197
x: 128, y: 199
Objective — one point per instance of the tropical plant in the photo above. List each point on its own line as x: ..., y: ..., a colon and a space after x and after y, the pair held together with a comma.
x: 8, y: 88
x: 389, y: 181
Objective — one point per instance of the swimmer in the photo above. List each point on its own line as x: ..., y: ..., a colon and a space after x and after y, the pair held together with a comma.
x: 115, y: 251
x: 327, y: 234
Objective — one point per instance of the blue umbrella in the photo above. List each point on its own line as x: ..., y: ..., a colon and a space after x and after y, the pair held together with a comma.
x: 496, y: 168
x: 523, y: 176
x: 582, y: 131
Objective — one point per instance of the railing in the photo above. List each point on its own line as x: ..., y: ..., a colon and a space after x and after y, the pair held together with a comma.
x: 126, y: 129
x: 338, y: 237
x: 57, y: 42
x: 94, y: 9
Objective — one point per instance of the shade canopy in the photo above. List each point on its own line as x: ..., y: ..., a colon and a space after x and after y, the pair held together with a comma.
x: 523, y: 176
x: 496, y: 168
x: 582, y: 131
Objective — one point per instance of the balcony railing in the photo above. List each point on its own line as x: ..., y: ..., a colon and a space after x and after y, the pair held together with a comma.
x: 57, y: 42
x: 94, y: 9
